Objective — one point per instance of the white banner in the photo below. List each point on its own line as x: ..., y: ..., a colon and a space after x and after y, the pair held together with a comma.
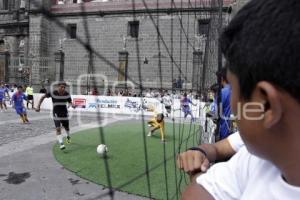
x: 123, y: 105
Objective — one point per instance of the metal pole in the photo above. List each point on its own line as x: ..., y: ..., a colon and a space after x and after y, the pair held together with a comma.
x: 219, y: 100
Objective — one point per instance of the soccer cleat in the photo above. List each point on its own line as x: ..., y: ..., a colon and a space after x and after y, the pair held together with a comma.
x: 149, y: 134
x: 62, y: 147
x: 68, y: 140
x: 163, y: 141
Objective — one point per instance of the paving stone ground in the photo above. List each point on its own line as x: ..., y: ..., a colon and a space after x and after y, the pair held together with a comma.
x: 28, y: 170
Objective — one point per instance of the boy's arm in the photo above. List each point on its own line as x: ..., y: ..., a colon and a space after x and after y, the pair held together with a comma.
x: 195, y: 161
x: 196, y: 192
x: 225, y: 180
x: 70, y: 103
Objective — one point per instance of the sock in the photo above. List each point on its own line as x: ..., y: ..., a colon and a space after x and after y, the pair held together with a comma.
x: 68, y: 133
x: 162, y: 134
x: 23, y: 119
x: 60, y: 139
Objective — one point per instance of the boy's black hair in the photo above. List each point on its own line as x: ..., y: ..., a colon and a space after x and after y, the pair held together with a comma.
x: 222, y: 73
x: 262, y: 43
x: 62, y: 83
x: 20, y: 87
x: 214, y: 88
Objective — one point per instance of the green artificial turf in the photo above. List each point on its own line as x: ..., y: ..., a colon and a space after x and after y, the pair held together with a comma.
x: 126, y: 157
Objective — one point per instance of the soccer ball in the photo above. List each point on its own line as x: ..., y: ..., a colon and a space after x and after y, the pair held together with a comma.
x: 101, y: 149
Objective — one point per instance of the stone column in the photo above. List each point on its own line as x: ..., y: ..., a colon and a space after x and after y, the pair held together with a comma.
x: 59, y: 65
x: 4, y: 60
x: 123, y: 67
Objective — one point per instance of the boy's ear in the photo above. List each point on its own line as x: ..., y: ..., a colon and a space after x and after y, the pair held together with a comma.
x: 268, y: 95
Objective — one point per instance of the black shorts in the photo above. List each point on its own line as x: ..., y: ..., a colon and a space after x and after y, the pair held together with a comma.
x: 61, y: 120
x: 168, y: 107
x: 30, y: 97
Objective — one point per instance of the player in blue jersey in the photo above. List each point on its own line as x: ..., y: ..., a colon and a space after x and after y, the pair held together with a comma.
x: 3, y: 93
x: 226, y: 124
x: 18, y: 104
x: 185, y: 105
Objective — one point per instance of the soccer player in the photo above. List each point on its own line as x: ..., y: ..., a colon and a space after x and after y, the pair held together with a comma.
x: 29, y: 92
x: 18, y: 104
x: 61, y: 101
x: 185, y: 104
x: 261, y: 45
x: 167, y: 101
x: 157, y: 122
x: 3, y: 93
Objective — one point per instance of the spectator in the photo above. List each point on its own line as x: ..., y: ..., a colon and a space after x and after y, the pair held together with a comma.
x: 120, y: 93
x: 174, y: 83
x: 108, y: 92
x: 126, y: 93
x: 225, y: 122
x: 263, y: 71
x: 148, y: 94
x: 13, y: 88
x: 95, y: 92
x: 179, y: 83
x: 43, y: 90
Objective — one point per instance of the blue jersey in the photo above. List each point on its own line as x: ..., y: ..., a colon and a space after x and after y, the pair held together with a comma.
x: 225, y: 123
x: 2, y: 92
x: 18, y: 99
x: 186, y: 101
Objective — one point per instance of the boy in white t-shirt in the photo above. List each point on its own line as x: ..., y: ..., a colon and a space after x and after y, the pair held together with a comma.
x: 261, y: 46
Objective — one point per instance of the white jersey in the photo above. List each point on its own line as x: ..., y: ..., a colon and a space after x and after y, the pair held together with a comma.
x: 167, y: 100
x: 247, y: 177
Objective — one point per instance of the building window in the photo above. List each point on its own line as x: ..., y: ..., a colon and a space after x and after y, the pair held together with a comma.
x: 60, y: 2
x: 203, y: 26
x: 133, y: 29
x: 5, y: 4
x: 72, y: 30
x: 74, y: 1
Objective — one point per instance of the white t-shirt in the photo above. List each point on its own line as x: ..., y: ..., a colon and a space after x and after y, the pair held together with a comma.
x: 148, y: 95
x: 167, y: 100
x: 236, y: 141
x: 247, y: 177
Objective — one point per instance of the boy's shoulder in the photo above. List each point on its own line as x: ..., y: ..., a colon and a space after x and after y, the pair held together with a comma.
x: 246, y: 176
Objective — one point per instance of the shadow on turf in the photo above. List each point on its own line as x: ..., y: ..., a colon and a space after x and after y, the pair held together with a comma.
x: 80, y: 147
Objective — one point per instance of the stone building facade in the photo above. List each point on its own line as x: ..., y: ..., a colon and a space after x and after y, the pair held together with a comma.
x: 146, y: 43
